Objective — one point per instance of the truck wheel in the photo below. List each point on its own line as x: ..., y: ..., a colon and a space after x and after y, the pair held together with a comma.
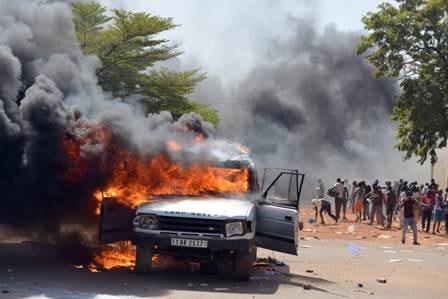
x: 143, y: 259
x: 242, y: 264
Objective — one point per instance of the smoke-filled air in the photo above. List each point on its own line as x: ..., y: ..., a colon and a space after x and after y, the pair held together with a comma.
x: 63, y: 141
x: 311, y: 102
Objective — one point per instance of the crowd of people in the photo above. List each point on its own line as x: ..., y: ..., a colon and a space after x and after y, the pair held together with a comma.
x: 403, y: 202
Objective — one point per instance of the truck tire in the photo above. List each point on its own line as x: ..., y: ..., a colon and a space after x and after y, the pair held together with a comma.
x: 242, y: 264
x: 143, y: 259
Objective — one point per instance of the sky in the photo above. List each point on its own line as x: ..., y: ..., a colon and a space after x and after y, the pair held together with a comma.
x: 216, y: 35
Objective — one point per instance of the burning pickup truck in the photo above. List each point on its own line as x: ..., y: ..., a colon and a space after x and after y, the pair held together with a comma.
x: 214, y: 225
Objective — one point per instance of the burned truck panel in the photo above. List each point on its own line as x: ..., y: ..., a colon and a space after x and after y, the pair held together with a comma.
x: 115, y: 221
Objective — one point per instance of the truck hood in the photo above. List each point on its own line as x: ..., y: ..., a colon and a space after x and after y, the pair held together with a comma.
x: 199, y: 207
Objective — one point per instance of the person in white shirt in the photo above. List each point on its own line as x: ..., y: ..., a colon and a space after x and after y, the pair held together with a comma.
x: 339, y: 188
x: 320, y: 189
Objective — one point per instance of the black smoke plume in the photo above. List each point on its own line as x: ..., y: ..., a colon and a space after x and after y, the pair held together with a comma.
x: 49, y: 93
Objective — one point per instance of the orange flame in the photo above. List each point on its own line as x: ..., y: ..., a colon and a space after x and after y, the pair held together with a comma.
x: 121, y: 255
x: 134, y: 180
x: 174, y: 146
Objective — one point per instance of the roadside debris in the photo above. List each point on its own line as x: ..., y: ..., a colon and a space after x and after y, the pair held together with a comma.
x: 354, y: 249
x: 351, y: 229
x: 395, y: 260
x: 381, y: 280
x: 306, y: 246
x: 363, y: 292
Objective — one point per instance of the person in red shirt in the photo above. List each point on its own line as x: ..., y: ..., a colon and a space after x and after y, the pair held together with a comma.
x: 428, y: 202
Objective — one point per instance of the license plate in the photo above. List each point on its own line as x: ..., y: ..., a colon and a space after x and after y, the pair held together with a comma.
x: 188, y: 243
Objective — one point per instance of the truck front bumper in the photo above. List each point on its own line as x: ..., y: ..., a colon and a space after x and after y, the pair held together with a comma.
x: 163, y: 242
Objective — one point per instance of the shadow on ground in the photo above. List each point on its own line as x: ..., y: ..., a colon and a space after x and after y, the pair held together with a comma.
x: 36, y: 269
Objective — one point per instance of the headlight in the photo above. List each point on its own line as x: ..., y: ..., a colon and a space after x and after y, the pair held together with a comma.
x: 234, y: 228
x: 146, y: 221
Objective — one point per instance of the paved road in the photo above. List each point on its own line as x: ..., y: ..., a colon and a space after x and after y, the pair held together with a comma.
x: 31, y: 270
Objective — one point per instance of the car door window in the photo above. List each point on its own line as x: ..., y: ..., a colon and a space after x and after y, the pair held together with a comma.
x: 284, y: 190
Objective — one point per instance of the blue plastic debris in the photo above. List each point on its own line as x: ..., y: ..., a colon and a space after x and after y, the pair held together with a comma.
x: 354, y: 249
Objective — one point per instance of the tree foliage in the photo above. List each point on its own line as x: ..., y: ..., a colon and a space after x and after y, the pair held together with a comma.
x: 410, y: 42
x: 128, y: 46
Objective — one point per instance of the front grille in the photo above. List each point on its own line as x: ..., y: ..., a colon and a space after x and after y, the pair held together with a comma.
x: 193, y: 225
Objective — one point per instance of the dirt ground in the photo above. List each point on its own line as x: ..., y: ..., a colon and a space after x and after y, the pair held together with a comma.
x: 333, y: 262
x: 352, y: 231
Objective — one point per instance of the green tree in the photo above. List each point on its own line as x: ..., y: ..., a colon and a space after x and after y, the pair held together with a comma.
x: 128, y: 46
x: 409, y: 41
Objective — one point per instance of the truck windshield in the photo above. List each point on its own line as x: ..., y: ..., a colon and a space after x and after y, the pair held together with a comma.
x: 209, y: 180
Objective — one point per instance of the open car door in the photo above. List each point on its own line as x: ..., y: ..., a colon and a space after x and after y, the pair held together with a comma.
x: 277, y: 211
x: 115, y: 221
